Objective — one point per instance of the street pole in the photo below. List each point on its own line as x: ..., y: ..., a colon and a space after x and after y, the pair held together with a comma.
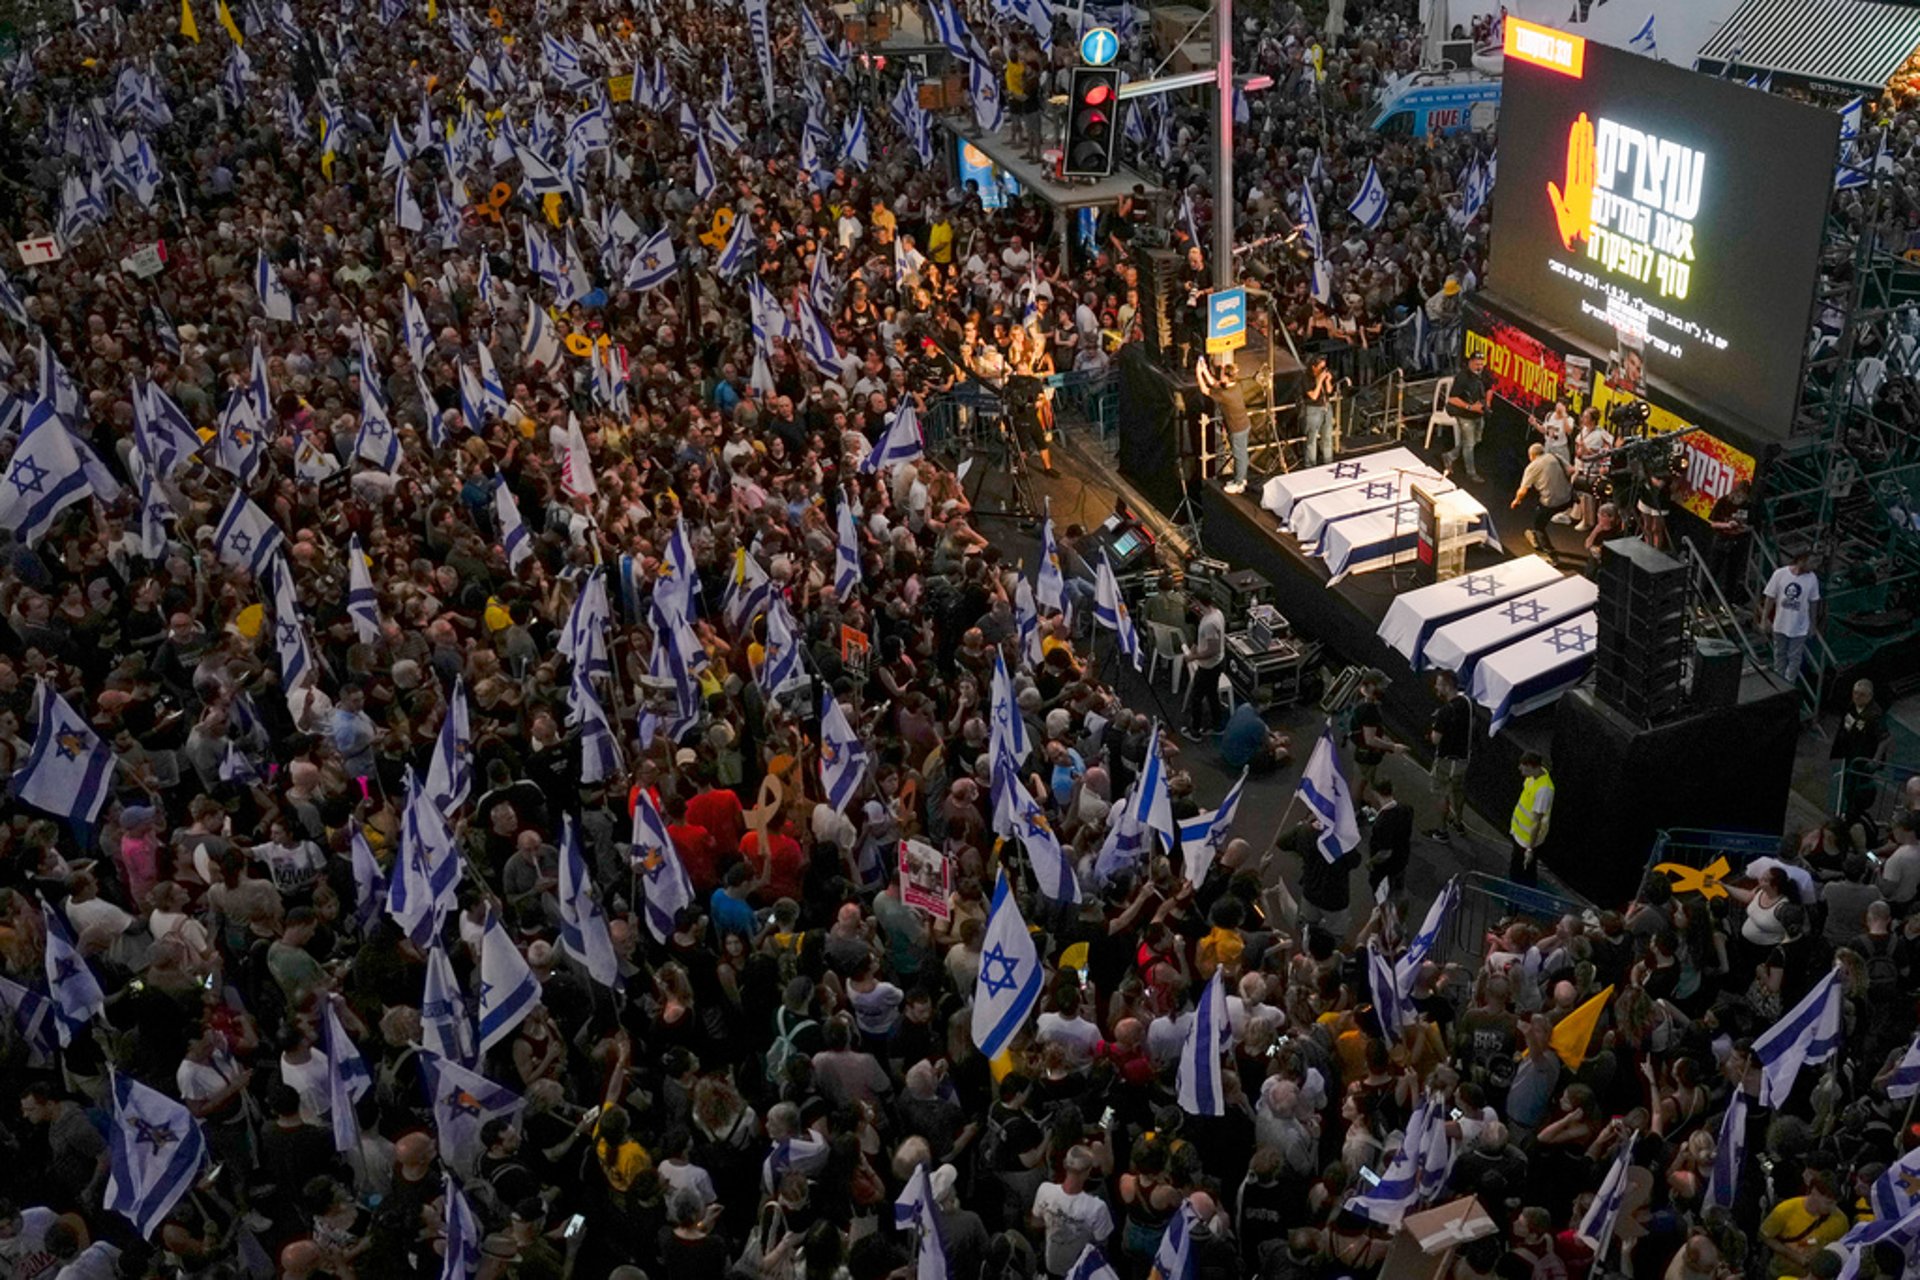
x: 1223, y: 273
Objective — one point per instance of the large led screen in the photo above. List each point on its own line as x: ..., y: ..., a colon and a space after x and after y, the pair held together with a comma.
x: 1666, y: 216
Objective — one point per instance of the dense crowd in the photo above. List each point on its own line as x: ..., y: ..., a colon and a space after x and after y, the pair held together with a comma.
x: 493, y: 801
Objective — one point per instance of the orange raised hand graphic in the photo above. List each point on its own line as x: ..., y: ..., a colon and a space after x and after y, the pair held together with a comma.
x: 1573, y: 208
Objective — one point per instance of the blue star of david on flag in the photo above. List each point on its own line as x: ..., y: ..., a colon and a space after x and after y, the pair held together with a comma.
x: 1377, y: 489
x: 241, y: 542
x: 1479, y: 584
x: 69, y: 745
x: 1519, y: 612
x: 1569, y: 639
x: 1007, y: 978
x: 148, y: 1134
x: 1348, y: 471
x: 28, y: 476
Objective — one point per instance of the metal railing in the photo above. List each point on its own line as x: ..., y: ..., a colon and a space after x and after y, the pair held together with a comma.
x: 957, y: 420
x: 1699, y: 846
x: 1485, y: 901
x: 1870, y: 789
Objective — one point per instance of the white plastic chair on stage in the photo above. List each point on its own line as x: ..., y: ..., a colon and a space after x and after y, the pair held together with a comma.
x: 1439, y: 415
x: 1169, y: 646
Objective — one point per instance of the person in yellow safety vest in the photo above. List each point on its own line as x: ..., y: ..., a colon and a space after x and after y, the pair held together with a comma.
x: 1532, y: 814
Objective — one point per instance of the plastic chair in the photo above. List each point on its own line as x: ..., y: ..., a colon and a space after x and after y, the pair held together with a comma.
x: 1439, y: 416
x: 1229, y: 696
x: 1168, y: 646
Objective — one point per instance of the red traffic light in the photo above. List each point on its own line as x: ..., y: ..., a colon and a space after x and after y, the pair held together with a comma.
x: 1098, y: 94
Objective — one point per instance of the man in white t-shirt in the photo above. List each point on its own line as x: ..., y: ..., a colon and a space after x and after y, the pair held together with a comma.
x: 1072, y: 1216
x: 23, y: 1242
x: 1788, y: 607
x: 1063, y: 1025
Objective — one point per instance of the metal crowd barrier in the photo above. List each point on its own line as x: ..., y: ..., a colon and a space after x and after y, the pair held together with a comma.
x: 1698, y: 847
x: 1485, y: 901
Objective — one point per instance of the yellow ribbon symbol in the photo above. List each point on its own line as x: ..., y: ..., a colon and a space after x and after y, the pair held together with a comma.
x: 1704, y: 881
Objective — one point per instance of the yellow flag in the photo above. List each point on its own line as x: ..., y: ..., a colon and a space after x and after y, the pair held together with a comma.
x: 225, y: 15
x: 433, y: 11
x: 1001, y: 1066
x: 551, y: 203
x: 188, y: 27
x: 1571, y: 1039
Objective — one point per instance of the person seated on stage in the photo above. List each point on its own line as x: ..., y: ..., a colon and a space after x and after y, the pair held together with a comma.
x: 1247, y: 743
x: 1168, y: 606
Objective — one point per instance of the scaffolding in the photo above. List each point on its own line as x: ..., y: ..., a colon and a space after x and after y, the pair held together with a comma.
x: 1847, y: 482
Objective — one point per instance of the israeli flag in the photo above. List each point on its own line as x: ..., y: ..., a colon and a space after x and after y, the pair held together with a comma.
x: 69, y: 770
x: 1369, y: 204
x: 514, y: 538
x: 1008, y: 727
x: 722, y: 130
x: 450, y: 772
x: 154, y: 1153
x: 599, y: 748
x: 540, y: 345
x: 1324, y: 789
x: 584, y: 640
x: 1174, y: 1258
x: 75, y: 992
x: 770, y: 319
x: 33, y: 1019
x: 1603, y: 1215
x: 1387, y: 1201
x: 759, y: 28
x: 781, y: 666
x: 843, y: 757
x: 236, y: 768
x: 1050, y: 582
x: 1009, y: 983
x: 950, y: 29
x: 348, y: 1078
x: 369, y: 881
x: 916, y: 1213
x: 1125, y: 845
x: 853, y: 141
x: 463, y: 1102
x: 1106, y: 594
x: 1644, y: 40
x: 289, y: 631
x: 1310, y: 222
x: 483, y: 286
x: 398, y: 154
x: 246, y: 537
x: 375, y: 441
x: 1026, y: 619
x: 425, y: 885
x: 899, y: 443
x: 363, y: 606
x: 816, y: 341
x: 1201, y: 1091
x: 508, y: 989
x: 1052, y: 868
x: 583, y: 925
x: 1152, y: 806
x: 1385, y: 990
x: 462, y: 1229
x: 446, y: 1027
x: 1905, y: 1080
x: 1205, y: 834
x: 667, y: 889
x: 748, y: 591
x: 846, y: 554
x: 237, y: 444
x: 1898, y: 1189
x: 1730, y: 1152
x: 1808, y: 1034
x: 703, y: 179
x: 740, y: 247
x: 419, y: 334
x: 988, y: 110
x: 653, y: 263
x: 56, y: 383
x: 1853, y: 120
x: 44, y: 478
x: 1092, y: 1265
x: 1407, y: 969
x: 11, y: 304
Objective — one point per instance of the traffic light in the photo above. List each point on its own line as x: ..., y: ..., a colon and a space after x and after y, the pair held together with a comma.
x: 1093, y: 123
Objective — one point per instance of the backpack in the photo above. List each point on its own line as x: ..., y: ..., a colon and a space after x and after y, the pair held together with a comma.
x: 783, y: 1050
x: 1883, y: 975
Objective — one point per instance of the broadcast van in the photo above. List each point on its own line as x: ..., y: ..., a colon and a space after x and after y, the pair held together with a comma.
x: 1438, y: 102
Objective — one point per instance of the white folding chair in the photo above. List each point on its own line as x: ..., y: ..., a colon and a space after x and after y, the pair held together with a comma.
x: 1169, y: 647
x: 1439, y: 416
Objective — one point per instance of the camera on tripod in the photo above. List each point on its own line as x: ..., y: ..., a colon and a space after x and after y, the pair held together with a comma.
x: 1629, y: 417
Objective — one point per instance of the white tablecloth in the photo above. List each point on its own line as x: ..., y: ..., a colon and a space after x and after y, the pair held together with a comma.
x: 1531, y: 673
x: 1312, y: 515
x: 1462, y: 643
x: 1280, y: 493
x: 1415, y: 615
x: 1376, y: 539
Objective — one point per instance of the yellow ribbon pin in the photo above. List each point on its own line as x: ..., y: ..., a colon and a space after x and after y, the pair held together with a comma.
x: 1703, y: 881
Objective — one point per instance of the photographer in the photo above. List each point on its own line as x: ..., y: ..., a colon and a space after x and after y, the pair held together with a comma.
x: 1546, y: 478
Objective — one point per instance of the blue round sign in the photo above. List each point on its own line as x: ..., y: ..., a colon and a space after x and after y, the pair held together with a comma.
x: 1099, y: 46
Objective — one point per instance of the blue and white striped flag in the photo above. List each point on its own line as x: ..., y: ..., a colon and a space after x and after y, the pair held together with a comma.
x: 1205, y: 834
x: 1853, y: 120
x: 450, y: 771
x: 236, y: 767
x: 1009, y: 982
x: 1092, y: 1265
x: 816, y: 341
x: 238, y: 447
x: 399, y: 151
x: 446, y: 1026
x: 275, y: 300
x: 44, y: 478
x: 722, y: 130
x: 369, y: 881
x: 1407, y: 968
x: 853, y: 141
x: 1324, y: 789
x: 916, y: 1213
x: 583, y: 925
x: 1895, y: 1191
x: 1026, y: 619
x: 1644, y: 39
x: 1603, y: 1215
x: 1388, y: 1006
x: 425, y: 883
x: 1201, y: 1090
x: 69, y: 771
x: 1806, y: 1035
x: 1369, y: 204
x: 899, y: 443
x: 363, y: 605
x: 1152, y: 806
x: 462, y: 1226
x: 155, y: 1150
x: 704, y: 182
x: 1387, y: 1201
x: 508, y: 989
x: 74, y: 991
x: 1052, y: 868
x: 348, y: 1078
x: 739, y: 249
x: 988, y: 109
x: 781, y: 664
x: 1050, y: 582
x: 1905, y: 1080
x: 1729, y: 1153
x: 1008, y: 728
x: 843, y: 757
x: 748, y: 591
x: 463, y: 1102
x: 419, y: 336
x: 1174, y: 1258
x: 1125, y: 845
x: 846, y: 550
x: 727, y: 93
x: 246, y: 537
x: 599, y: 746
x: 514, y: 538
x: 668, y: 890
x: 653, y: 263
x: 289, y: 629
x: 33, y: 1018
